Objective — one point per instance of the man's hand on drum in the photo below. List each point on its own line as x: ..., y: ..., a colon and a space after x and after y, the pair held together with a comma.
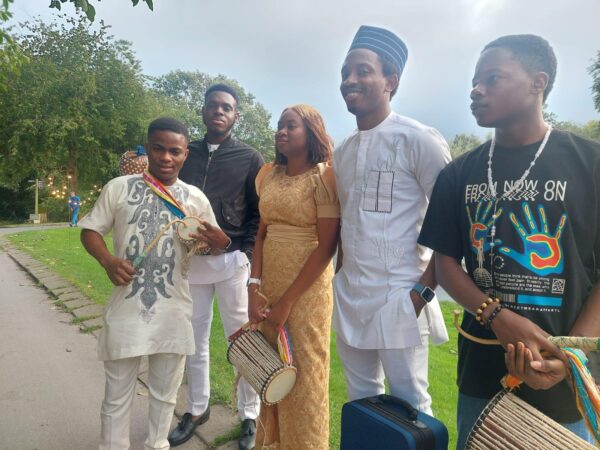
x: 257, y: 305
x: 120, y: 271
x: 511, y: 328
x: 216, y: 239
x: 536, y: 374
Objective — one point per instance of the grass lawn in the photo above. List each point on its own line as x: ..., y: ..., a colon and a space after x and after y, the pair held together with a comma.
x: 62, y: 251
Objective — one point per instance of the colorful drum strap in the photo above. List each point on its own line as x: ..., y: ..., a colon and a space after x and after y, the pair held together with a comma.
x: 586, y: 390
x: 284, y: 345
x: 163, y: 193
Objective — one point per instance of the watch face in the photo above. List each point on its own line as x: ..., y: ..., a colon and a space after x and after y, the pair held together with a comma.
x: 428, y: 294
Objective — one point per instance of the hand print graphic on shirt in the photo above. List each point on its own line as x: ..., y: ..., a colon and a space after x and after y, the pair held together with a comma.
x: 479, y: 232
x: 480, y: 227
x: 542, y: 251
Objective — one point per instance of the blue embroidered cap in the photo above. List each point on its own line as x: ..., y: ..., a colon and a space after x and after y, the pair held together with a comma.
x: 382, y: 42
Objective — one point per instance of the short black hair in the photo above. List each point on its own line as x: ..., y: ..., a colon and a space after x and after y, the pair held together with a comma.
x: 533, y: 52
x: 168, y: 124
x: 222, y: 88
x: 389, y: 68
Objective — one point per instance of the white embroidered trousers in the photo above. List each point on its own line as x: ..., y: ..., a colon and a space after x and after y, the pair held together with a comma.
x: 165, y: 371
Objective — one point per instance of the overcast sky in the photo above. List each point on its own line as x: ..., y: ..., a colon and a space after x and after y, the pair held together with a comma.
x: 287, y: 52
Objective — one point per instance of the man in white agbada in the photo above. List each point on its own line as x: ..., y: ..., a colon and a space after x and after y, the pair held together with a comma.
x: 150, y: 309
x: 385, y: 308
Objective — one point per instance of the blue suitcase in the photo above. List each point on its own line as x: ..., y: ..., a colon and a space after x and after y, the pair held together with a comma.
x: 384, y: 422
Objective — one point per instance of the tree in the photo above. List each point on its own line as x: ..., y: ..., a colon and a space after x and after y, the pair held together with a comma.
x: 462, y: 143
x: 79, y: 101
x: 189, y: 87
x: 11, y: 57
x: 590, y: 130
x: 595, y: 72
x: 87, y: 8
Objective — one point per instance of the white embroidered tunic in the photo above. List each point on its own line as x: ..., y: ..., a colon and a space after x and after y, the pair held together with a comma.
x: 152, y: 314
x: 384, y: 177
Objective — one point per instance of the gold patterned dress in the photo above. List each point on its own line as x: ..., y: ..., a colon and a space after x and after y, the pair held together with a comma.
x: 290, y: 206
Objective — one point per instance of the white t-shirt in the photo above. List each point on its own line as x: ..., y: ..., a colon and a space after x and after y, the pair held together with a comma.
x: 210, y: 269
x: 153, y: 313
x: 385, y: 176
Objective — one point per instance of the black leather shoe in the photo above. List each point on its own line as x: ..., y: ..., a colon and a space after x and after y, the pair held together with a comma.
x: 184, y: 430
x: 247, y: 434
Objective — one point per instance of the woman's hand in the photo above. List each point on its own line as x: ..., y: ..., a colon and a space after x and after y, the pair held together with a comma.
x: 279, y: 313
x: 257, y: 304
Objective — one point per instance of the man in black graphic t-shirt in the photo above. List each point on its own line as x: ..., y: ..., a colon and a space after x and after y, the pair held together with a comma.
x: 526, y: 221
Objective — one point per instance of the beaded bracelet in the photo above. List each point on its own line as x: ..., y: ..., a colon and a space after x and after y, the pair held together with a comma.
x: 482, y: 308
x: 488, y: 322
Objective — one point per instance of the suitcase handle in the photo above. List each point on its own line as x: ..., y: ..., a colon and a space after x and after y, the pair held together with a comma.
x: 390, y: 399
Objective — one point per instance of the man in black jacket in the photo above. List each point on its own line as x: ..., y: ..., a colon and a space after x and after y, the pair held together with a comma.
x: 224, y: 169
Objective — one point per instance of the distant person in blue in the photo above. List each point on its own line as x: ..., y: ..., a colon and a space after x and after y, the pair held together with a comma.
x: 74, y: 206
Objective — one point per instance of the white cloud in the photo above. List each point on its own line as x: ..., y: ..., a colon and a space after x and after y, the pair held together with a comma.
x: 290, y: 52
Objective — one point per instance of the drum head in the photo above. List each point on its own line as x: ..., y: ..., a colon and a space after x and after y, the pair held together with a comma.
x: 190, y: 225
x: 280, y: 385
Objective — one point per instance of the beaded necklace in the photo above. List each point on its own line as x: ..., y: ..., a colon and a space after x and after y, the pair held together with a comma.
x: 494, y: 197
x: 517, y: 185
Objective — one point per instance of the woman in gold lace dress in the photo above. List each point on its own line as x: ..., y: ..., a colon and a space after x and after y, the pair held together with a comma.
x: 291, y: 266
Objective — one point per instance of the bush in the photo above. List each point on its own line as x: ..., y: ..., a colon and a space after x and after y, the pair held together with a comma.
x: 56, y: 209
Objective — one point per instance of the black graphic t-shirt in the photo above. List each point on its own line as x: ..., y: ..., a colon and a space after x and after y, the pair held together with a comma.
x: 543, y: 260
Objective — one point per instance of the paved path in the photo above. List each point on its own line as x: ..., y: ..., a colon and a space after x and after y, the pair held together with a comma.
x: 9, y: 230
x: 51, y: 384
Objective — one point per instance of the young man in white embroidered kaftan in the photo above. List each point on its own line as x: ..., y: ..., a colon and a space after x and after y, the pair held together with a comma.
x: 150, y: 309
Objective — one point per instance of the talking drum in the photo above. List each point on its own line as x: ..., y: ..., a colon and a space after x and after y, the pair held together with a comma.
x: 189, y: 225
x: 509, y: 423
x: 133, y: 162
x: 261, y: 366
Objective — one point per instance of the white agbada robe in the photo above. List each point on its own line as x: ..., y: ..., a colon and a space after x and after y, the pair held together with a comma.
x: 385, y: 176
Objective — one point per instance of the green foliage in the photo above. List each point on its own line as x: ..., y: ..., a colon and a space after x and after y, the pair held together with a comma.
x: 595, y: 72
x: 462, y: 143
x: 17, y: 203
x: 56, y: 209
x: 79, y: 100
x: 11, y: 56
x: 188, y: 88
x: 87, y: 8
x: 590, y: 130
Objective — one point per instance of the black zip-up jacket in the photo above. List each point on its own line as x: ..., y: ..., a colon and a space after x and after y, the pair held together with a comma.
x: 227, y: 178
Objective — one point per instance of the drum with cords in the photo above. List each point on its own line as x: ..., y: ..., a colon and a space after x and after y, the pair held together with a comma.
x: 261, y: 366
x: 509, y: 423
x: 185, y: 227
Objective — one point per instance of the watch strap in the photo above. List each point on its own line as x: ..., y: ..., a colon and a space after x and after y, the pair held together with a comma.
x: 425, y: 292
x: 253, y: 281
